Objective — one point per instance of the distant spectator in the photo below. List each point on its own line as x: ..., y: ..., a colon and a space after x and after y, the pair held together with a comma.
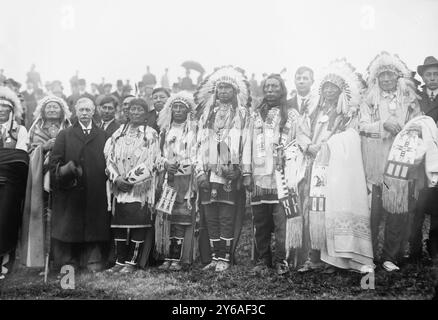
x: 119, y: 91
x: 127, y: 88
x: 34, y: 76
x: 57, y: 89
x: 30, y: 103
x: 94, y: 90
x: 107, y: 88
x: 165, y: 79
x: 83, y: 90
x: 254, y: 86
x: 149, y: 79
x: 186, y: 82
x: 2, y: 76
x: 47, y: 86
x: 75, y: 78
x: 71, y: 100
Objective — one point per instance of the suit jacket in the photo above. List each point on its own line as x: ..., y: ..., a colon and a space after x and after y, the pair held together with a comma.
x: 429, y: 108
x: 151, y: 120
x: 293, y: 103
x: 80, y: 210
x: 112, y: 127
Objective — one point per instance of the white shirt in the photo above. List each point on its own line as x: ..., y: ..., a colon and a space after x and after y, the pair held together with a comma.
x: 300, y: 100
x: 105, y: 125
x: 86, y: 128
x: 22, y: 135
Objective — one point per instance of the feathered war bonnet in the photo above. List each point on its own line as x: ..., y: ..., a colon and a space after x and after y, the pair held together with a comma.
x: 205, y: 95
x: 385, y: 61
x: 165, y: 115
x: 342, y: 74
x: 9, y: 98
x: 38, y: 114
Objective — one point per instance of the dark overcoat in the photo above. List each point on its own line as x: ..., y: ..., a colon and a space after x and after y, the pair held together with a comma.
x: 112, y: 127
x: 430, y: 108
x: 80, y: 208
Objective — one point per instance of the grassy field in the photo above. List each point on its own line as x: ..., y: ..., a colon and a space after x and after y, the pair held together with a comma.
x: 412, y: 282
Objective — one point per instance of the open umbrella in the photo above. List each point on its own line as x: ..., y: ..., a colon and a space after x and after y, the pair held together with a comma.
x: 194, y: 65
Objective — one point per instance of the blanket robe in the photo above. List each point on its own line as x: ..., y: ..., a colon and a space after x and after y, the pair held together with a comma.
x: 14, y: 163
x: 316, y: 128
x: 347, y: 218
x: 34, y: 232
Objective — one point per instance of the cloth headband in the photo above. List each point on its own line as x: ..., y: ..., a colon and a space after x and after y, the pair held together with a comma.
x: 7, y: 103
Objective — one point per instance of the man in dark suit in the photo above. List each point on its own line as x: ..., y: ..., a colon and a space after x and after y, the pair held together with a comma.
x: 427, y: 202
x: 429, y: 94
x: 107, y: 110
x: 80, y: 220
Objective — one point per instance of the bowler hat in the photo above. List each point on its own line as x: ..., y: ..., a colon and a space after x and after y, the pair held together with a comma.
x: 428, y: 62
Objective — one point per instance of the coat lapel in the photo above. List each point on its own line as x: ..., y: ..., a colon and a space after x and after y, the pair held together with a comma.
x: 93, y: 133
x: 77, y: 130
x: 427, y: 105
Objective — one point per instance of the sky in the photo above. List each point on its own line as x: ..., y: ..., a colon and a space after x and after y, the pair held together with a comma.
x: 117, y: 39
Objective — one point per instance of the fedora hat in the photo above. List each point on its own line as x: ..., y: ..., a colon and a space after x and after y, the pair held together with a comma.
x: 428, y: 62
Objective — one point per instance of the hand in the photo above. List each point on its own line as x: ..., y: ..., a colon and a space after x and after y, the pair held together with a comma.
x: 203, y: 182
x: 123, y: 185
x: 172, y: 169
x: 434, y: 180
x: 232, y: 174
x: 49, y: 144
x: 313, y: 149
x: 392, y: 127
x: 247, y: 182
x: 415, y: 127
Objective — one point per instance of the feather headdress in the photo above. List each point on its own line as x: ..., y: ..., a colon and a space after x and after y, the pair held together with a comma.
x: 342, y: 74
x: 385, y: 61
x: 205, y: 95
x: 10, y: 98
x: 165, y: 115
x: 51, y: 98
x: 38, y: 116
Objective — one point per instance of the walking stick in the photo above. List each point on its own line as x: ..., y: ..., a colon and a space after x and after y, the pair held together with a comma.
x: 252, y: 231
x: 47, y: 239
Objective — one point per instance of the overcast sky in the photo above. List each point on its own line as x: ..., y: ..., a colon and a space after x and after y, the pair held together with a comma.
x: 117, y: 39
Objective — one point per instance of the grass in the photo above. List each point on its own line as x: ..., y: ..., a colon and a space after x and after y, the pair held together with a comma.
x: 412, y: 282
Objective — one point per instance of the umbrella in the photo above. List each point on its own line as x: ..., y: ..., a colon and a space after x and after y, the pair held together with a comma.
x: 194, y: 65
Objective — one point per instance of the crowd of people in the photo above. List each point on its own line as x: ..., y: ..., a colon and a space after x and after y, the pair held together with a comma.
x: 118, y: 181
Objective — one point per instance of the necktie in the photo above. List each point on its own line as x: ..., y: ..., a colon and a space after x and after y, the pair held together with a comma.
x: 432, y: 96
x: 303, y: 107
x: 86, y: 131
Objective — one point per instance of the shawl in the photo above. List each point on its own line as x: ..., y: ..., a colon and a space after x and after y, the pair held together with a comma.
x: 294, y: 170
x: 38, y: 181
x: 408, y: 150
x: 13, y: 174
x: 347, y: 218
